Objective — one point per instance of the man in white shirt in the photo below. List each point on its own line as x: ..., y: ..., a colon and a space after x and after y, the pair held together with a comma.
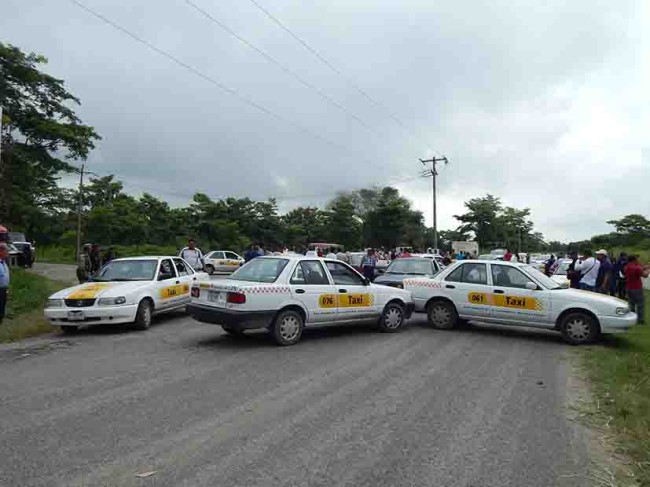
x: 192, y: 255
x: 342, y: 256
x: 331, y: 255
x: 588, y: 268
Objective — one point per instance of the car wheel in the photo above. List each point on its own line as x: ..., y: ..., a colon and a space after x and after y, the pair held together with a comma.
x: 579, y: 328
x: 442, y: 315
x: 69, y: 330
x: 287, y: 327
x: 144, y: 315
x: 232, y: 331
x: 392, y: 318
x: 209, y: 269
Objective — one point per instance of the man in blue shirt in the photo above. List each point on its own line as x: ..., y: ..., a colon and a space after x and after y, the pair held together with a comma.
x: 4, y: 278
x: 604, y: 272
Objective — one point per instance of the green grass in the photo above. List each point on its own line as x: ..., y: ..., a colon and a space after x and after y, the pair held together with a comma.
x: 59, y: 254
x: 619, y: 374
x: 27, y: 296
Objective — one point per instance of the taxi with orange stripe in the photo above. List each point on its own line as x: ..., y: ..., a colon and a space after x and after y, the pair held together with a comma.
x: 283, y: 294
x: 508, y: 293
x: 129, y: 290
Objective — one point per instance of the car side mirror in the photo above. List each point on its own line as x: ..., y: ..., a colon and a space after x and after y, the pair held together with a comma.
x: 532, y: 286
x: 366, y: 281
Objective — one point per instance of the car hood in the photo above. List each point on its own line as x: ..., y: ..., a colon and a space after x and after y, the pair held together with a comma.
x: 588, y: 296
x: 386, y: 278
x: 92, y: 290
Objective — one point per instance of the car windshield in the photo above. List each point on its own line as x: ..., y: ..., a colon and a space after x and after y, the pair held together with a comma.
x: 546, y: 281
x: 407, y: 266
x: 260, y: 270
x: 127, y: 270
x: 562, y: 268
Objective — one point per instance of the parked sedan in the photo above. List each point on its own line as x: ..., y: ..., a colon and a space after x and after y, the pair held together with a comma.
x: 400, y: 269
x: 222, y: 261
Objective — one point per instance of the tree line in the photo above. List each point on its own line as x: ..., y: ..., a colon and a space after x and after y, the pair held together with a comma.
x: 42, y: 138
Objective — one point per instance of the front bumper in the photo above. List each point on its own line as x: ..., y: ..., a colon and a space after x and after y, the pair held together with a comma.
x: 617, y: 324
x: 92, y: 315
x: 242, y: 320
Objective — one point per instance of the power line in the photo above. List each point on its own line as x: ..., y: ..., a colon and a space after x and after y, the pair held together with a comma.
x: 347, y: 79
x: 211, y: 80
x: 284, y: 68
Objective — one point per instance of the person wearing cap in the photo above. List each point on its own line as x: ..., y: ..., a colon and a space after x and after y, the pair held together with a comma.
x: 4, y: 278
x: 634, y: 271
x: 588, y: 267
x: 604, y: 272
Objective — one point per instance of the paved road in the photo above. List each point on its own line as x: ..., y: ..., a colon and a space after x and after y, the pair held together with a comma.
x: 66, y: 273
x: 346, y: 406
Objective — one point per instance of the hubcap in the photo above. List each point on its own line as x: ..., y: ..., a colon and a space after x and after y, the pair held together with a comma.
x: 289, y: 328
x: 440, y: 315
x: 578, y: 329
x: 393, y: 318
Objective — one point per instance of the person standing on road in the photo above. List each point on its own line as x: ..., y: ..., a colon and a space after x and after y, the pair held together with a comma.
x: 507, y: 256
x: 342, y: 256
x: 4, y: 279
x: 192, y: 255
x: 84, y: 267
x: 368, y: 265
x: 604, y: 272
x: 331, y: 255
x: 618, y: 269
x: 572, y: 274
x: 588, y: 268
x: 634, y: 271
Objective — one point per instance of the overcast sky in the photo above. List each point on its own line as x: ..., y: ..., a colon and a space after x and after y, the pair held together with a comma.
x: 544, y: 104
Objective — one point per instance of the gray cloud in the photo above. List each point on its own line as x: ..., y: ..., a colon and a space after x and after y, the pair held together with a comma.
x: 541, y: 104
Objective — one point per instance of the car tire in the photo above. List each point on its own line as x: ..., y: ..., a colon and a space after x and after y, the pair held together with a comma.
x: 70, y: 330
x: 392, y: 318
x: 579, y: 328
x: 442, y: 315
x: 287, y: 327
x: 232, y: 331
x: 209, y: 269
x: 143, y: 317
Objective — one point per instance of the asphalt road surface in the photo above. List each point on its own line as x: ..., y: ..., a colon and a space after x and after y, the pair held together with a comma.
x: 346, y: 406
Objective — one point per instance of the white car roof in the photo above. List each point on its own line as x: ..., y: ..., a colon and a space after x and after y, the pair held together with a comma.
x: 147, y: 257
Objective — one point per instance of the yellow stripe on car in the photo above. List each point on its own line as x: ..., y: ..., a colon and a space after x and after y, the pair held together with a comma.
x: 88, y: 291
x: 173, y: 291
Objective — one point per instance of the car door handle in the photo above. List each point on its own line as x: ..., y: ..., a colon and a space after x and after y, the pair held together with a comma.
x: 178, y: 282
x: 449, y: 286
x: 499, y: 291
x: 194, y: 278
x: 300, y: 291
x: 343, y: 291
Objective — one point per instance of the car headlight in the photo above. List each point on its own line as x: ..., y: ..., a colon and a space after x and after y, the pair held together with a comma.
x: 112, y: 301
x: 622, y: 310
x: 54, y: 303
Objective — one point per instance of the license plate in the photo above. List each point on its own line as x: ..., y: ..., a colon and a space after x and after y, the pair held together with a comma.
x: 75, y: 315
x: 217, y: 297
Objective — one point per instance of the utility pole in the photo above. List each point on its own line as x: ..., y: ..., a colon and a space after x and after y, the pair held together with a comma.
x: 433, y: 172
x: 79, y: 208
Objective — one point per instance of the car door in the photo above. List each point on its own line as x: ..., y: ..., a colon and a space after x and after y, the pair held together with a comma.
x: 168, y: 285
x: 311, y: 285
x: 232, y: 261
x: 218, y: 261
x: 511, y: 299
x: 186, y: 275
x: 355, y: 299
x: 467, y: 286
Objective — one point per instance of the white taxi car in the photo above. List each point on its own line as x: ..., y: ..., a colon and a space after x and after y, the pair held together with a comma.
x: 129, y: 290
x: 516, y: 294
x: 222, y: 261
x: 285, y: 293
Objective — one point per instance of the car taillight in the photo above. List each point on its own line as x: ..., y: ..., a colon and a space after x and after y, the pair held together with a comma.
x: 236, y: 298
x: 196, y: 292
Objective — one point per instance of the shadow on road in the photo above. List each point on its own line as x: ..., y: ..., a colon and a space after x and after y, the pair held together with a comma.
x: 123, y: 328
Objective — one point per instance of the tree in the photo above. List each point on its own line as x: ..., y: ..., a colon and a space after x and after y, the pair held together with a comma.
x: 40, y: 135
x: 393, y: 222
x: 303, y: 226
x: 481, y: 219
x: 633, y: 228
x: 343, y: 224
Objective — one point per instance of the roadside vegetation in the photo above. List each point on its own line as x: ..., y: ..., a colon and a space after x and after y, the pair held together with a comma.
x: 60, y: 254
x: 619, y: 374
x: 27, y: 296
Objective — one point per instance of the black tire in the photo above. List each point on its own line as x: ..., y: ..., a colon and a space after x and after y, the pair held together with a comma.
x: 287, y: 327
x: 579, y: 328
x: 70, y: 330
x: 442, y: 315
x: 209, y: 269
x: 143, y: 317
x: 232, y: 331
x: 392, y: 318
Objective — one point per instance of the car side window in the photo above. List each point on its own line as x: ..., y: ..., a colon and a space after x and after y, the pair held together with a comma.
x: 309, y: 272
x: 166, y: 270
x: 342, y: 274
x: 456, y: 275
x: 231, y: 255
x: 469, y: 273
x: 182, y: 268
x: 506, y: 276
x: 217, y: 255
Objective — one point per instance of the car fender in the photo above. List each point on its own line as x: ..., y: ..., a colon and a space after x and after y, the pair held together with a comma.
x: 562, y: 308
x: 291, y: 302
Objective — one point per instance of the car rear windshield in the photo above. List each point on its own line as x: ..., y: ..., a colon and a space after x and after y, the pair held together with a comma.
x: 127, y: 270
x: 407, y: 266
x: 261, y: 269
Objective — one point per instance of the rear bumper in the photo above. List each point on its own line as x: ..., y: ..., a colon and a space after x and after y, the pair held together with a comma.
x: 617, y: 324
x: 242, y: 320
x: 92, y: 315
